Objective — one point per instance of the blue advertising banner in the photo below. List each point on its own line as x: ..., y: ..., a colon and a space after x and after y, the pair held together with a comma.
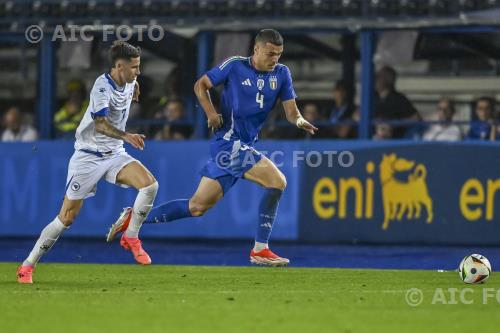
x: 375, y: 192
x: 33, y: 177
x: 404, y: 193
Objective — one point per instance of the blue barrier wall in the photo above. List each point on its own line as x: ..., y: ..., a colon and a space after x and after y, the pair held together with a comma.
x: 419, y: 192
x: 33, y: 180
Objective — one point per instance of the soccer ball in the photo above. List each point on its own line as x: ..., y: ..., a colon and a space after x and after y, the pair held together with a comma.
x: 474, y: 269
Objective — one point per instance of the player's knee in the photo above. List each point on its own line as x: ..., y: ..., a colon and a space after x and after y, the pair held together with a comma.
x: 68, y: 217
x: 197, y: 208
x: 282, y: 184
x: 151, y: 189
x: 278, y: 182
x: 147, y: 181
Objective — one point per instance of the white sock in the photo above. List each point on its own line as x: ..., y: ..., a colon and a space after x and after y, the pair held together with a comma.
x: 142, y: 205
x: 260, y: 246
x: 47, y: 238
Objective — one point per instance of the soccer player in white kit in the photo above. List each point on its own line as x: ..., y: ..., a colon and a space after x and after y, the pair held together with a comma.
x: 99, y: 153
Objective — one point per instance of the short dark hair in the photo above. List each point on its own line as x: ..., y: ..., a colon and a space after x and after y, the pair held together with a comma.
x: 451, y: 103
x: 489, y: 100
x: 269, y: 36
x: 341, y: 85
x: 389, y: 75
x: 122, y: 50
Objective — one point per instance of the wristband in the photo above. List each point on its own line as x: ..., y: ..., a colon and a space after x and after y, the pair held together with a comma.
x: 300, y: 121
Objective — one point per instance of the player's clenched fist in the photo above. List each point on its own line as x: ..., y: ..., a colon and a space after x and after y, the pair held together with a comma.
x: 214, y: 121
x: 305, y: 125
x: 136, y: 140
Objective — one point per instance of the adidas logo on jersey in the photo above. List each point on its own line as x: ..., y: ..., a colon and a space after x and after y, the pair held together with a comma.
x: 247, y: 82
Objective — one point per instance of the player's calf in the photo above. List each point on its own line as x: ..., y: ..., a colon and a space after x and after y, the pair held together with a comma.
x: 47, y: 239
x: 142, y: 206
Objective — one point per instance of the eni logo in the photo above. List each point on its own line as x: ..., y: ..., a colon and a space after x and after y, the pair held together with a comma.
x: 400, y: 197
x: 354, y: 197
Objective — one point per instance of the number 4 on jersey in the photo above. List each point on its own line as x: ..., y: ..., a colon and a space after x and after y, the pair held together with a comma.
x: 259, y: 98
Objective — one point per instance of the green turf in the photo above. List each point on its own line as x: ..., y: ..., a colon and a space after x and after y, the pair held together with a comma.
x: 124, y: 298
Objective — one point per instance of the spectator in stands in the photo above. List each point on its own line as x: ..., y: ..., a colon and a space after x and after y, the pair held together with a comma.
x: 15, y: 128
x: 171, y: 87
x: 310, y: 113
x: 67, y: 119
x: 391, y: 104
x: 445, y: 131
x: 481, y: 128
x: 495, y: 128
x: 383, y: 132
x: 342, y: 111
x: 143, y: 109
x: 173, y: 113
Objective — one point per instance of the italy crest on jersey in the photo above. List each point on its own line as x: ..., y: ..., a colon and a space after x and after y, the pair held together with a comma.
x: 273, y: 82
x: 260, y: 84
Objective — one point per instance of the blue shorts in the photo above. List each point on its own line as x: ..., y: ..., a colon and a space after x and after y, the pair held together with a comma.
x: 229, y: 161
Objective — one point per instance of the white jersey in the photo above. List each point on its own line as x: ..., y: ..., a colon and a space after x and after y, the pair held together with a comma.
x: 109, y: 100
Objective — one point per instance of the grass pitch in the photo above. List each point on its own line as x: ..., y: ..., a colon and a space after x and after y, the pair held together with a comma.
x: 127, y: 298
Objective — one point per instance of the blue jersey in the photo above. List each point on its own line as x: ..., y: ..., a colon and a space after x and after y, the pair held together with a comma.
x: 248, y: 96
x: 479, y: 130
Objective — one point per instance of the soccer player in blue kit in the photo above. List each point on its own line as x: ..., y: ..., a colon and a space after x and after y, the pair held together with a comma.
x: 251, y: 88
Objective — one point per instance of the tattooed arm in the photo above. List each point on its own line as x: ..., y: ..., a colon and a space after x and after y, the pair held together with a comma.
x: 102, y: 126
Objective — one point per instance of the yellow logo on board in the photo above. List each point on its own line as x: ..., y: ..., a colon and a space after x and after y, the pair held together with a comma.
x: 400, y: 199
x: 403, y: 198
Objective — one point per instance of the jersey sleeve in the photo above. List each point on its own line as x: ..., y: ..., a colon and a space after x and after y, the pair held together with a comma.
x: 100, y: 97
x: 287, y: 92
x: 219, y: 74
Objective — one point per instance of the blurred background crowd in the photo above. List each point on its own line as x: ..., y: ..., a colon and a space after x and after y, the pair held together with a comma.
x: 428, y: 85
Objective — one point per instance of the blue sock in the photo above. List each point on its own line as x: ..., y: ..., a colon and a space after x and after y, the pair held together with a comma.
x: 170, y: 211
x: 267, y: 212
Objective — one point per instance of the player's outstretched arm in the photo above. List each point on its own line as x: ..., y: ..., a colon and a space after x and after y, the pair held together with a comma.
x: 201, y: 89
x: 102, y: 126
x: 293, y: 115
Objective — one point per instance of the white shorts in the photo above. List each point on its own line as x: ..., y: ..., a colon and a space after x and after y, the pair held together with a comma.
x: 85, y: 170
